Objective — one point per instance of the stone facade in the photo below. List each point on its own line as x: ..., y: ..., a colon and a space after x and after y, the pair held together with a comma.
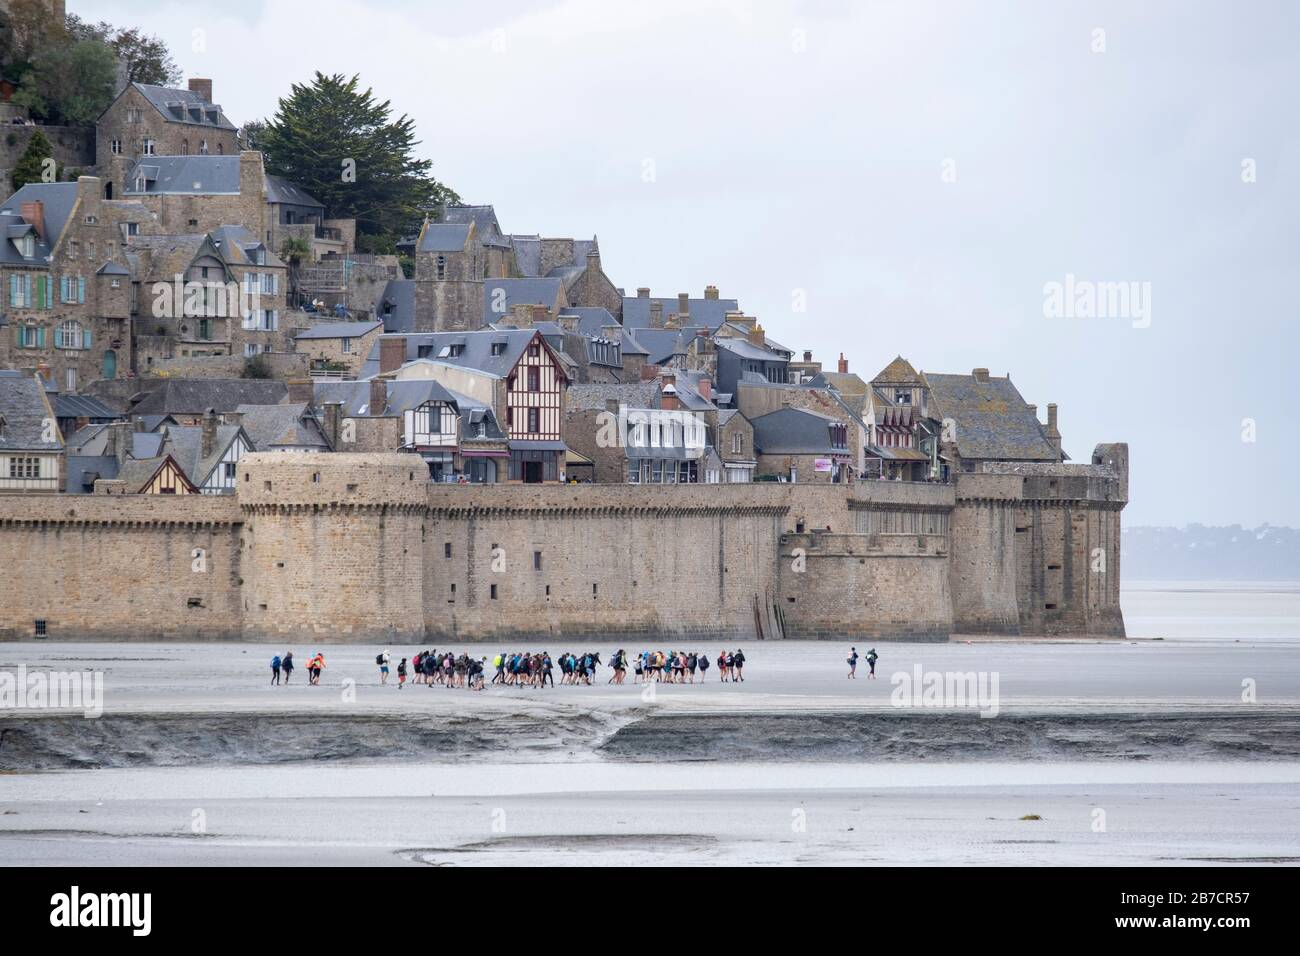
x: 359, y: 547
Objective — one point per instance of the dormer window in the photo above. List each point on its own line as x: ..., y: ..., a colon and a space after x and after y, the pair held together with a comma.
x: 903, y: 396
x: 140, y: 185
x: 27, y: 247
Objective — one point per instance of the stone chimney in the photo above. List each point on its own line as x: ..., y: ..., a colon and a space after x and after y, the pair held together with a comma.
x: 757, y: 336
x: 643, y: 292
x: 683, y: 308
x: 844, y: 365
x: 378, y: 396
x: 593, y: 260
x: 117, y: 440
x: 1033, y: 410
x: 981, y: 375
x: 807, y: 357
x: 1053, y: 434
x: 252, y: 176
x: 656, y: 314
x: 332, y: 417
x: 209, y: 426
x: 705, y: 388
x: 392, y: 353
x: 711, y: 293
x: 33, y: 214
x: 203, y: 87
x: 301, y: 390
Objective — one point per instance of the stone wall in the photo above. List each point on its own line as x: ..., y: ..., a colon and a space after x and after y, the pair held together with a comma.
x: 73, y: 146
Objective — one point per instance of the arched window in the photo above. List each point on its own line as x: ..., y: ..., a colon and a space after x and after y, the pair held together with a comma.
x: 203, y: 147
x: 221, y: 149
x: 185, y: 147
x: 68, y: 335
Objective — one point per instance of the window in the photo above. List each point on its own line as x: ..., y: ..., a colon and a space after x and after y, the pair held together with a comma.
x: 115, y: 147
x: 737, y: 444
x: 494, y: 592
x: 203, y: 147
x: 147, y: 147
x: 903, y: 396
x: 455, y: 350
x: 20, y: 290
x: 347, y: 346
x: 534, y: 379
x: 32, y: 337
x: 441, y: 267
x: 24, y: 467
x: 70, y: 378
x: 446, y: 552
x: 135, y: 115
x: 534, y: 351
x: 498, y: 348
x: 533, y: 424
x: 537, y: 560
x: 72, y: 290
x: 69, y: 335
x: 230, y: 470
x: 185, y: 147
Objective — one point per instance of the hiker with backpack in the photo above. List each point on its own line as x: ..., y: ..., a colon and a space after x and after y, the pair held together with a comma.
x: 382, y: 660
x: 872, y: 657
x: 401, y: 674
x: 287, y: 665
x: 275, y: 669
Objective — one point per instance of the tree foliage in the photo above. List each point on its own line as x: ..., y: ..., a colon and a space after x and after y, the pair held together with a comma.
x: 31, y: 164
x: 342, y: 146
x: 146, y: 58
x: 69, y: 83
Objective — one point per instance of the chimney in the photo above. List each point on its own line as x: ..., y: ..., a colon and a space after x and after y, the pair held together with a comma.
x: 711, y: 293
x: 643, y: 292
x: 117, y: 443
x: 656, y: 314
x: 392, y: 353
x: 540, y: 314
x: 982, y: 375
x: 332, y: 417
x: 684, y: 307
x: 756, y: 335
x: 807, y: 357
x: 668, y: 399
x: 705, y: 388
x: 33, y: 214
x: 202, y: 87
x: 252, y: 175
x: 593, y: 260
x: 844, y: 365
x: 209, y: 442
x: 378, y: 396
x: 649, y: 373
x: 1033, y: 410
x: 301, y: 390
x: 1053, y: 434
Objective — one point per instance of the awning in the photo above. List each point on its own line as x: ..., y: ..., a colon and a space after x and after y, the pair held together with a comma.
x: 575, y: 458
x: 484, y: 453
x: 538, y: 446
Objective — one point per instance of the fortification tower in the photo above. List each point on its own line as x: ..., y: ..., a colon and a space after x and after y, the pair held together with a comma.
x: 332, y: 545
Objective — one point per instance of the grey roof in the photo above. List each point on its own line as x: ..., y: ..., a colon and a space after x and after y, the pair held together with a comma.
x: 281, y: 190
x: 396, y: 306
x: 992, y: 419
x: 472, y: 414
x: 747, y: 349
x: 111, y: 268
x: 486, y: 227
x: 89, y: 440
x: 185, y: 175
x: 444, y: 237
x: 794, y: 431
x: 710, y: 313
x: 592, y: 398
x: 24, y: 410
x: 528, y: 257
x: 82, y: 406
x: 194, y: 396
x: 184, y: 106
x: 135, y: 472
x: 82, y: 470
x: 660, y: 345
x: 57, y: 200
x: 338, y: 330
x: 185, y: 444
x: 147, y: 444
x: 402, y: 396
x: 476, y: 352
x: 543, y: 291
x: 291, y: 425
x: 591, y: 319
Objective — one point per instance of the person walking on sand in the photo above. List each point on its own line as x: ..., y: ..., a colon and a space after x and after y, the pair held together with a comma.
x: 872, y: 657
x: 738, y: 665
x: 382, y: 660
x: 287, y: 665
x: 704, y: 667
x: 275, y: 669
x: 401, y: 673
x: 853, y: 663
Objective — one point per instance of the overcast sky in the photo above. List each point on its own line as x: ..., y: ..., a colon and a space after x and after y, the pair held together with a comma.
x: 915, y: 174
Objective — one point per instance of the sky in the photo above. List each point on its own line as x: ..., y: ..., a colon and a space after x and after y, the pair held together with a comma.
x: 952, y: 182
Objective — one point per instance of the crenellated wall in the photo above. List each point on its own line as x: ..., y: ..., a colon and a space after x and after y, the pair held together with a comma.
x: 361, y: 548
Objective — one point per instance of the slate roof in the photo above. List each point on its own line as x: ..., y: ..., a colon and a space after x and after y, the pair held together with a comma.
x: 82, y: 406
x: 747, y: 349
x: 280, y: 190
x: 591, y: 319
x: 397, y: 305
x: 710, y: 313
x: 165, y: 256
x: 162, y: 96
x: 897, y: 372
x: 794, y: 431
x: 592, y: 398
x: 402, y: 396
x: 235, y: 243
x: 194, y: 396
x: 992, y: 419
x: 543, y: 291
x: 444, y: 237
x: 472, y: 413
x: 82, y: 470
x: 661, y: 345
x: 184, y: 175
x: 293, y: 425
x: 338, y: 330
x: 58, y: 200
x: 24, y: 409
x: 486, y: 228
x: 476, y: 354
x: 185, y: 444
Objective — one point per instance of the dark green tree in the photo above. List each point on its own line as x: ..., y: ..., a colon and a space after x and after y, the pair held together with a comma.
x: 31, y: 164
x: 343, y: 147
x: 69, y: 83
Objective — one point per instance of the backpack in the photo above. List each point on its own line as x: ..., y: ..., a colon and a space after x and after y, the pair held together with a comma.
x: 275, y: 661
x: 379, y: 659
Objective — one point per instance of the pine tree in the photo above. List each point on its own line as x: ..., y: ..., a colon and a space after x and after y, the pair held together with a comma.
x: 30, y: 167
x: 344, y: 148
